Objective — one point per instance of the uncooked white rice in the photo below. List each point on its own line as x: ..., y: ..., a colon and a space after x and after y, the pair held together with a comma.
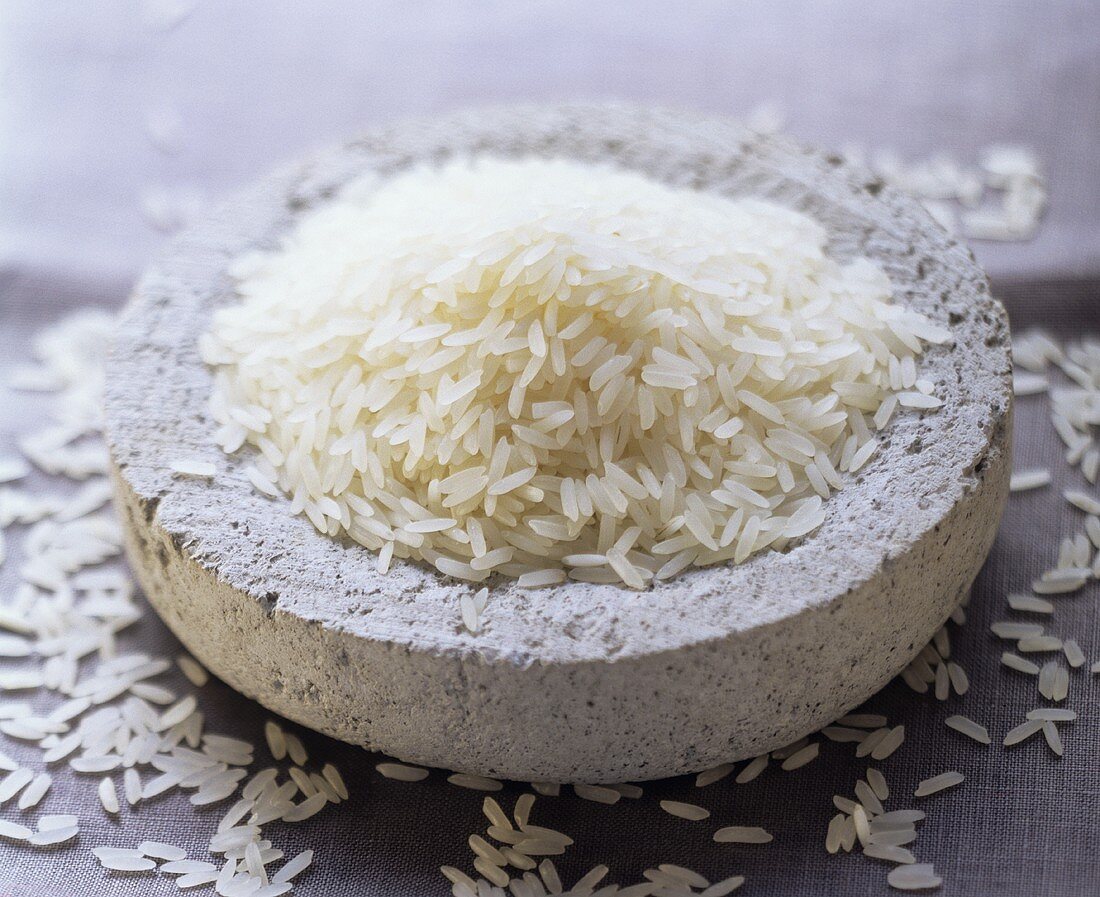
x: 669, y: 873
x: 126, y: 863
x: 483, y: 848
x: 46, y: 837
x: 294, y: 867
x: 492, y: 872
x: 13, y: 831
x: 628, y: 790
x: 914, y: 877
x: 183, y: 867
x: 193, y: 467
x: 712, y: 775
x: 550, y: 876
x: 863, y: 721
x: 1070, y: 581
x: 867, y: 798
x: 801, y: 757
x: 1060, y: 685
x: 13, y: 468
x: 448, y: 379
x: 522, y: 810
x: 896, y: 818
x: 834, y: 833
x: 14, y: 782
x: 295, y: 749
x: 276, y: 739
x: 877, y: 781
x: 598, y: 793
x: 1039, y: 644
x: 889, y: 852
x: 871, y: 742
x: 844, y: 804
x: 960, y: 682
x: 844, y: 734
x: 456, y: 876
x: 332, y: 775
x: 495, y: 813
x: 897, y: 836
x: 1025, y: 383
x: 1074, y: 655
x: 1022, y: 732
x: 1015, y: 662
x: 723, y: 887
x: 475, y: 783
x: 939, y: 783
x: 752, y: 769
x: 743, y: 834
x: 789, y: 749
x: 1082, y: 500
x: 1056, y: 714
x: 161, y: 851
x: 1053, y: 739
x: 35, y: 791
x: 1029, y: 479
x: 196, y: 879
x: 969, y: 728
x: 860, y: 822
x: 194, y: 671
x: 683, y: 810
x: 1009, y: 630
x: 1030, y: 604
x: 307, y: 808
x: 889, y: 743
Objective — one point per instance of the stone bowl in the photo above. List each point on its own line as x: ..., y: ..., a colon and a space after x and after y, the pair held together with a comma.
x: 580, y: 682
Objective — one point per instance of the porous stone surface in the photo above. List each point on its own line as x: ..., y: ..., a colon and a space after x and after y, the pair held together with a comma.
x: 578, y: 682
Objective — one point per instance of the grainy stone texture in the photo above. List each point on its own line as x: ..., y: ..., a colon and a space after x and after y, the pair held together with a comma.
x: 579, y: 682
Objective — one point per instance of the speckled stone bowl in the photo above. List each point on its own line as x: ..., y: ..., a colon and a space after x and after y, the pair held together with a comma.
x: 579, y: 682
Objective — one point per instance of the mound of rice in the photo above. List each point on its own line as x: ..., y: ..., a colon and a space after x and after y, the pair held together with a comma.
x: 546, y: 370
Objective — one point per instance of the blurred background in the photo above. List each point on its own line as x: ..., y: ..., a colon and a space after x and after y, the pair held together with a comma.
x: 120, y: 119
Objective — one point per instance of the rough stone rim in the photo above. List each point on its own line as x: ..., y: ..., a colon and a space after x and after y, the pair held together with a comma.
x: 597, y: 623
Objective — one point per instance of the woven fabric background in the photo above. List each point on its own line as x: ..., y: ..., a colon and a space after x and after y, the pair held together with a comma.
x: 77, y: 81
